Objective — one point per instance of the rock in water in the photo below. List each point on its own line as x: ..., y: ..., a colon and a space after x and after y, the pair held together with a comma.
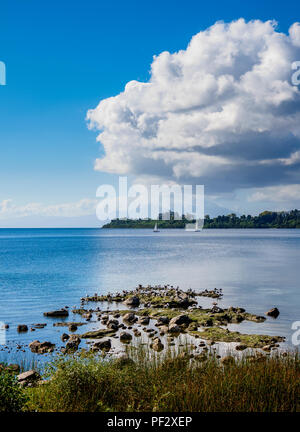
x: 125, y: 337
x: 98, y: 333
x: 181, y: 319
x: 144, y: 320
x: 104, y: 344
x: 41, y: 347
x: 72, y: 343
x: 132, y: 301
x: 174, y: 328
x: 22, y: 328
x: 57, y: 313
x: 129, y: 317
x: 274, y: 312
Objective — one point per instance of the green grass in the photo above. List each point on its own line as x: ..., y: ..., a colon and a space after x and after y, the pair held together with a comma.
x: 169, y: 383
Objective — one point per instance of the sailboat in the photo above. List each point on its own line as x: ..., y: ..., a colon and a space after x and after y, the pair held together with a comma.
x: 197, y: 229
x: 155, y: 229
x: 190, y: 227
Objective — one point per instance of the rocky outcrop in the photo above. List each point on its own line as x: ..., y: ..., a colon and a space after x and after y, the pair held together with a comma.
x: 57, y: 313
x: 96, y: 334
x: 38, y: 347
x: 29, y: 378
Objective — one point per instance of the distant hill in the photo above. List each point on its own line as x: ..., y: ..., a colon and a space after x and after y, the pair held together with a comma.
x: 266, y: 219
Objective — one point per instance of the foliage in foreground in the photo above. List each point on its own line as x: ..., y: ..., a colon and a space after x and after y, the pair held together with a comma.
x: 171, y: 384
x: 12, y: 396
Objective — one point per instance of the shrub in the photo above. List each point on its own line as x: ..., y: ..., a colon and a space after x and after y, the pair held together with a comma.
x: 12, y: 396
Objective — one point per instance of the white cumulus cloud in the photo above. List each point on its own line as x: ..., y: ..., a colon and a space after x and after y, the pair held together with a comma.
x: 223, y: 112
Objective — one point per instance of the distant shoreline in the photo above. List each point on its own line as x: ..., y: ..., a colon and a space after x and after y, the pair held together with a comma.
x: 266, y: 219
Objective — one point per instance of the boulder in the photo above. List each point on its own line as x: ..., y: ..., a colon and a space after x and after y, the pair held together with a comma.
x: 72, y: 327
x: 162, y: 320
x: 38, y: 347
x: 57, y: 313
x: 104, y: 344
x: 144, y: 320
x: 72, y: 343
x: 28, y: 378
x: 132, y: 301
x: 174, y: 328
x: 274, y: 312
x: 180, y: 319
x: 113, y: 324
x: 129, y: 317
x: 64, y: 337
x: 125, y: 337
x: 22, y: 328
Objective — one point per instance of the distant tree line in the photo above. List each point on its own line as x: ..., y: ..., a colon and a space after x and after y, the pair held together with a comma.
x: 266, y: 219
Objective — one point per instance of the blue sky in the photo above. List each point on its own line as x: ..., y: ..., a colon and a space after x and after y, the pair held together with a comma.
x: 63, y: 57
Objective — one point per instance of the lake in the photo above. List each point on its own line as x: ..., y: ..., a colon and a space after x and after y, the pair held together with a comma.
x: 45, y: 269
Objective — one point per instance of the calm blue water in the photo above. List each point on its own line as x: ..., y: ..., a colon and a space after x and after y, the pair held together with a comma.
x: 44, y: 269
